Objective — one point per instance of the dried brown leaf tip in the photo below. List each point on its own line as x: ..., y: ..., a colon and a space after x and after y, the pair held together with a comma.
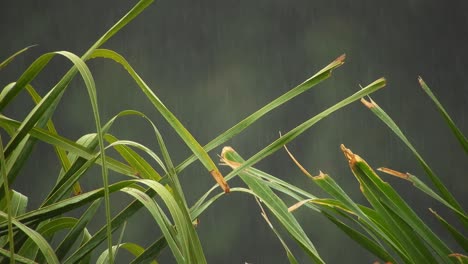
x: 226, y: 161
x: 196, y: 222
x: 421, y: 81
x: 220, y: 180
x: 297, y: 162
x: 297, y: 205
x: 394, y: 173
x: 369, y: 104
x: 459, y: 257
x: 349, y: 155
x: 320, y: 176
x: 340, y: 59
x: 335, y: 63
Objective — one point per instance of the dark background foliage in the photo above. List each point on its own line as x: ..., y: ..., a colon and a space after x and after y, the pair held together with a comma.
x: 214, y: 62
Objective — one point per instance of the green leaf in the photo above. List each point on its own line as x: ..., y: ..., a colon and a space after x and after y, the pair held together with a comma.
x: 46, y: 230
x: 151, y: 252
x: 133, y: 248
x: 79, y: 165
x: 189, y: 140
x: 61, y: 154
x: 317, y: 78
x: 44, y: 247
x: 291, y: 258
x: 72, y: 236
x: 18, y: 258
x: 459, y: 237
x: 18, y: 203
x: 195, y: 245
x: 67, y: 145
x: 291, y: 135
x: 126, y: 186
x: 118, y: 220
x: 373, y: 224
x: 395, y: 211
x: 273, y: 202
x: 66, y: 205
x: 145, y: 170
x: 180, y: 254
x: 456, y: 131
x: 8, y: 203
x: 444, y: 192
x: 45, y: 108
x: 4, y: 63
x: 423, y: 187
x: 363, y: 240
x: 27, y: 125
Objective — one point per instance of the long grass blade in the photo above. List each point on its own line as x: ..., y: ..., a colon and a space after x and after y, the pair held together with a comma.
x: 363, y: 240
x: 189, y: 140
x: 45, y: 108
x: 370, y: 221
x: 395, y: 210
x: 195, y: 245
x: 289, y: 254
x: 317, y: 78
x: 134, y: 249
x: 90, y: 86
x: 151, y: 252
x: 67, y: 145
x: 7, y: 61
x: 8, y: 202
x: 424, y: 188
x: 444, y: 192
x: 273, y: 202
x: 68, y: 241
x: 18, y: 203
x: 291, y: 135
x: 46, y: 230
x: 145, y: 170
x: 456, y: 131
x: 100, y: 235
x: 65, y: 205
x: 173, y: 207
x: 180, y: 254
x: 457, y: 236
x: 18, y: 258
x: 288, y: 137
x: 61, y: 154
x: 45, y: 248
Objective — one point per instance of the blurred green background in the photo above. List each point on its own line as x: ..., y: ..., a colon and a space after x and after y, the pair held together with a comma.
x: 214, y: 62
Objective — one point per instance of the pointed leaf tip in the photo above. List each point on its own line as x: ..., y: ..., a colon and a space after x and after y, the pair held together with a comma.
x: 297, y: 162
x: 368, y: 104
x: 394, y: 173
x: 296, y: 206
x: 421, y: 81
x: 460, y: 257
x: 220, y: 180
x: 349, y: 155
x: 341, y: 59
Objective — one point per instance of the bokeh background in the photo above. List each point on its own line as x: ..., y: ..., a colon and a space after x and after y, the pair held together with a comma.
x: 215, y: 62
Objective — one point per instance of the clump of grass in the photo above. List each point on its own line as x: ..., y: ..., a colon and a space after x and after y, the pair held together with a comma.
x: 385, y: 228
